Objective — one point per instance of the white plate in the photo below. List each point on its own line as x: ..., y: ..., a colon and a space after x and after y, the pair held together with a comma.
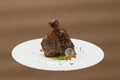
x: 28, y: 53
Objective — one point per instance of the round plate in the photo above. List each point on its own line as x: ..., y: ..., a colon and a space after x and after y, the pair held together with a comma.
x: 28, y: 53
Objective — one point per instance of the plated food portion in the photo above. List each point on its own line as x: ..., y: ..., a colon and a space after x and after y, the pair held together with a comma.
x: 57, y: 44
x: 57, y: 51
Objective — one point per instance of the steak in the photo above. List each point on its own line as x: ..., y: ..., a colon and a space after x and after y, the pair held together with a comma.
x: 56, y: 41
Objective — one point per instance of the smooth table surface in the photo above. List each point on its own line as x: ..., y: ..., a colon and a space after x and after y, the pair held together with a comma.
x: 96, y: 21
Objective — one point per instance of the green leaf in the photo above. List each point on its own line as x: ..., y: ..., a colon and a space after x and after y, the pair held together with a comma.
x: 62, y: 57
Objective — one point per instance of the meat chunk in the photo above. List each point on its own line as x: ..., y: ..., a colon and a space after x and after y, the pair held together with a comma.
x: 57, y: 41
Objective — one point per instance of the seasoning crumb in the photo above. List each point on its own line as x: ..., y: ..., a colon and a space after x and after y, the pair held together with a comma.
x: 32, y: 53
x: 60, y: 63
x: 71, y: 63
x: 45, y: 62
x: 80, y: 48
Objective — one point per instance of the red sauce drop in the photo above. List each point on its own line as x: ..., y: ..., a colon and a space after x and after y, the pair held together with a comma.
x: 41, y: 50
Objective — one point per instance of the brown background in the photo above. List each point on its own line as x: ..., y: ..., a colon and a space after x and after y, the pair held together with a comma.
x: 96, y: 21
